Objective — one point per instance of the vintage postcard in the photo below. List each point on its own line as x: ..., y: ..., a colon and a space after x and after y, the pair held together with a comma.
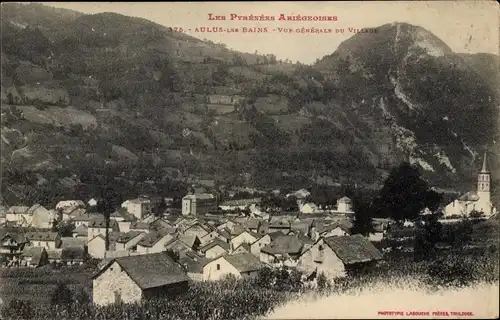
x: 250, y: 160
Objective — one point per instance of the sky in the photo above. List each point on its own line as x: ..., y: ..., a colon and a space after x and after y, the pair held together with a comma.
x: 466, y: 26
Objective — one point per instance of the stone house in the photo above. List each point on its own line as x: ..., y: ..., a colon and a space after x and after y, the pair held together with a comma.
x: 197, y: 229
x: 41, y: 218
x: 240, y: 265
x: 97, y: 227
x: 264, y: 241
x: 138, y: 226
x: 193, y: 264
x: 81, y: 232
x: 12, y: 245
x: 215, y: 249
x: 198, y: 203
x: 285, y: 249
x: 242, y: 248
x: 129, y: 240
x: 243, y: 237
x: 335, y: 256
x: 18, y: 215
x: 154, y: 242
x: 309, y: 208
x: 135, y: 278
x: 139, y: 207
x: 47, y: 240
x: 97, y: 246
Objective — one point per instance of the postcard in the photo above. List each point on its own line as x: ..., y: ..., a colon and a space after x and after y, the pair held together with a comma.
x: 250, y: 160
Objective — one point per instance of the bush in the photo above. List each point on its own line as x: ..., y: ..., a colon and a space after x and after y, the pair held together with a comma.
x: 450, y: 272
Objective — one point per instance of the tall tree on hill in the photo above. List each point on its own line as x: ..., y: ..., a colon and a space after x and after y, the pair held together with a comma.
x: 405, y: 194
x: 363, y: 223
x: 109, y: 201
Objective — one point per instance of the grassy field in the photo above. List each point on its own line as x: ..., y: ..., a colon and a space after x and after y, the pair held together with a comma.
x: 37, y: 285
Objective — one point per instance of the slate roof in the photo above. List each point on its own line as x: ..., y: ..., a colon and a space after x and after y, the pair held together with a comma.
x: 41, y: 236
x: 244, y: 262
x: 469, y: 196
x: 284, y: 245
x: 245, y: 246
x: 31, y: 251
x: 241, y: 202
x: 199, y: 196
x: 18, y: 209
x: 72, y: 242
x: 81, y: 230
x: 213, y: 243
x: 102, y: 224
x: 125, y: 237
x: 73, y: 253
x: 153, y: 237
x: 150, y: 270
x: 353, y: 249
x: 139, y: 225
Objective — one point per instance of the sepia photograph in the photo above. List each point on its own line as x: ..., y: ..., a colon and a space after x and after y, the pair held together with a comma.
x: 250, y: 160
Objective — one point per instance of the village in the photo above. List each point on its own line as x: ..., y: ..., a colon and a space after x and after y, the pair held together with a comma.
x: 142, y: 253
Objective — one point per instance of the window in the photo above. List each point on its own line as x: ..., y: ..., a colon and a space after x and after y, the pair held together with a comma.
x: 218, y: 266
x: 320, y: 248
x: 118, y: 297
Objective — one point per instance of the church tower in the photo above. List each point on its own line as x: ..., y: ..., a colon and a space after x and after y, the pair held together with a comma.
x: 483, y: 187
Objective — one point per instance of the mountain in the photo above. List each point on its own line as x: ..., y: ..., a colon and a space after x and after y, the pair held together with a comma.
x: 88, y: 97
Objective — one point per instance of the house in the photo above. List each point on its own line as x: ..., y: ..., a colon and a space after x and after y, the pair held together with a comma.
x: 35, y: 256
x: 215, y: 248
x: 97, y: 246
x: 97, y: 227
x: 240, y: 204
x: 193, y: 264
x: 183, y: 243
x: 18, y: 215
x: 198, y: 204
x: 154, y: 242
x: 197, y: 229
x: 299, y: 194
x: 285, y: 249
x: 135, y: 278
x: 210, y: 236
x: 160, y: 223
x: 139, y: 207
x: 344, y: 205
x: 41, y: 218
x: 84, y: 219
x: 81, y: 232
x: 224, y: 235
x: 70, y: 203
x: 334, y: 229
x: 12, y: 245
x: 242, y: 248
x: 309, y: 208
x: 47, y: 240
x: 244, y: 236
x: 73, y: 255
x: 336, y: 256
x: 129, y: 240
x: 121, y: 216
x: 139, y: 226
x: 54, y: 255
x: 264, y: 241
x: 240, y: 265
x: 68, y: 242
x: 92, y: 202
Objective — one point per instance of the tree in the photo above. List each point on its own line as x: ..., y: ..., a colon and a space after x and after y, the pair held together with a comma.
x: 160, y: 209
x: 54, y: 226
x: 62, y: 295
x: 109, y: 201
x: 405, y: 194
x: 363, y: 223
x: 427, y: 237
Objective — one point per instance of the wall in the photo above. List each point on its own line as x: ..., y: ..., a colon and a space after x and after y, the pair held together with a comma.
x: 261, y: 243
x: 210, y: 271
x: 115, y: 280
x: 242, y: 238
x: 331, y: 265
x: 214, y: 252
x: 97, y: 247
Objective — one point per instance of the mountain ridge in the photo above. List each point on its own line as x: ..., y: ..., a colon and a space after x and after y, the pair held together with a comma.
x: 126, y: 96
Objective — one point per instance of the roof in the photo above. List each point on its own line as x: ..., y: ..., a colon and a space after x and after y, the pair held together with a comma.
x: 284, y: 245
x: 73, y: 253
x: 485, y: 168
x: 81, y: 230
x: 469, y: 196
x: 201, y: 196
x: 18, y: 209
x: 345, y: 200
x: 245, y: 246
x: 87, y: 217
x: 241, y: 202
x: 72, y: 242
x: 153, y: 237
x: 188, y: 240
x: 31, y: 251
x: 34, y: 207
x: 101, y: 223
x: 54, y: 254
x: 353, y: 249
x: 244, y: 262
x: 150, y: 270
x: 139, y: 225
x: 41, y: 236
x: 139, y: 200
x: 125, y: 237
x: 213, y: 243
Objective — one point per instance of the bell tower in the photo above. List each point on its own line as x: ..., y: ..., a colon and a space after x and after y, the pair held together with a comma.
x: 483, y: 186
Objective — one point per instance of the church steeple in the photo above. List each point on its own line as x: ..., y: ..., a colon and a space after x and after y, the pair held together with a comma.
x: 484, y: 169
